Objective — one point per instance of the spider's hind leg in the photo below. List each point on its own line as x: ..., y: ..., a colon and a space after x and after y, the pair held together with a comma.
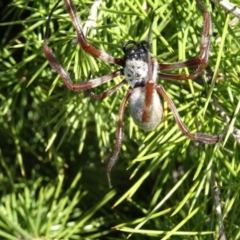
x: 201, y: 137
x: 119, y: 137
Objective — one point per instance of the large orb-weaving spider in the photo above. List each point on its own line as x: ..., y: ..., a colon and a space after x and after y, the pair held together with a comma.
x: 141, y: 72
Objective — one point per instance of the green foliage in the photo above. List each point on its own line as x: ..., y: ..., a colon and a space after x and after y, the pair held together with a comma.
x: 55, y: 143
x: 51, y: 211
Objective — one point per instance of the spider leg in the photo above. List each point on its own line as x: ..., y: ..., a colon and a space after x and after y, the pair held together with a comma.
x: 119, y: 137
x: 150, y: 85
x: 65, y: 76
x: 83, y: 42
x: 106, y: 93
x: 202, y: 137
x: 201, y: 61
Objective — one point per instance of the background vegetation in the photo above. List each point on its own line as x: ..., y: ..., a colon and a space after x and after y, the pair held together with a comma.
x: 54, y: 143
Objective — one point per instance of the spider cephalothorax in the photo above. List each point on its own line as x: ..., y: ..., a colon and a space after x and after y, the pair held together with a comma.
x: 136, y: 67
x: 136, y: 50
x: 141, y: 73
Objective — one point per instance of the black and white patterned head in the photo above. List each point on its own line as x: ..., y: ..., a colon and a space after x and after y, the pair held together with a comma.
x: 137, y: 57
x: 136, y: 50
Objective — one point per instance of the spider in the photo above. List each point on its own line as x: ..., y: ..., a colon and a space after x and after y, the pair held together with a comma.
x: 141, y: 72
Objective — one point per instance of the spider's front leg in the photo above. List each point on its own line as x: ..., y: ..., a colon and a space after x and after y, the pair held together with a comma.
x: 86, y: 47
x: 201, y: 61
x: 202, y: 137
x: 95, y: 52
x: 66, y: 78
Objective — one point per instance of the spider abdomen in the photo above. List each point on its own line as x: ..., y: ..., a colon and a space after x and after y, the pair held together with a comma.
x: 137, y: 103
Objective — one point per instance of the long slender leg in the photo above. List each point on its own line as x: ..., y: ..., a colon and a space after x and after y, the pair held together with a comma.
x: 106, y: 93
x: 150, y: 85
x: 65, y: 76
x: 83, y: 42
x: 202, y: 137
x: 152, y: 77
x: 201, y: 61
x: 119, y: 137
